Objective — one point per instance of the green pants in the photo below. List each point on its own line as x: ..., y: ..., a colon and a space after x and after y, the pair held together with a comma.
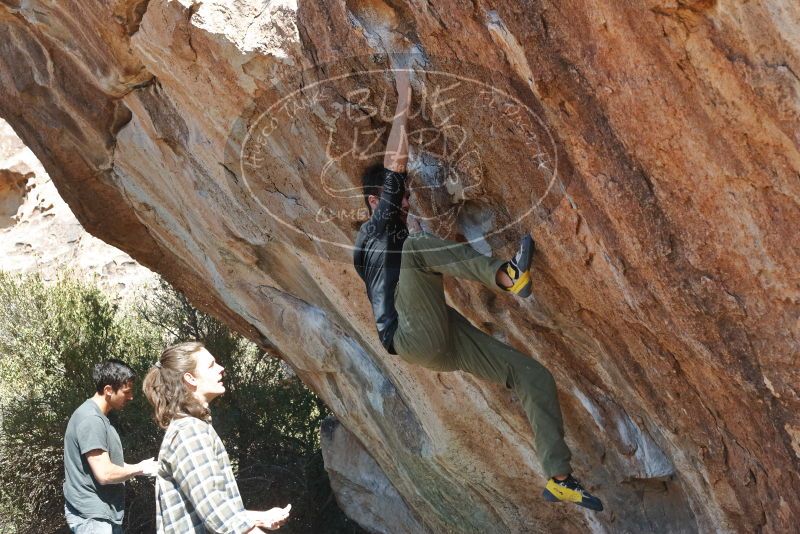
x: 433, y: 335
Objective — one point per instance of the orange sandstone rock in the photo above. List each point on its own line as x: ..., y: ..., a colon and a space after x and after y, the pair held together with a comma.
x: 651, y: 149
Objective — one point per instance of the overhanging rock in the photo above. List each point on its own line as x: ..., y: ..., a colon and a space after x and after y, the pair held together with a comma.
x: 652, y: 150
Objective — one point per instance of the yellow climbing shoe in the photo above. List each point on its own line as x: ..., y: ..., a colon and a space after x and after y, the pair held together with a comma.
x: 518, y: 269
x: 570, y: 490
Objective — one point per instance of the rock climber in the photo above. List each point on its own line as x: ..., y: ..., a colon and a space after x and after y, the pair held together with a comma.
x: 403, y: 273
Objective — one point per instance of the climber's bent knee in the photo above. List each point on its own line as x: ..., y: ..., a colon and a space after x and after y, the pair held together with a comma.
x: 432, y: 354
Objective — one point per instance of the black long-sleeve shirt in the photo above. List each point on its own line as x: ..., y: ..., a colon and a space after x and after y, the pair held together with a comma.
x: 378, y: 250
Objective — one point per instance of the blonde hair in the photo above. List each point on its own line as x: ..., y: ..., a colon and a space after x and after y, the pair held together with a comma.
x: 164, y: 386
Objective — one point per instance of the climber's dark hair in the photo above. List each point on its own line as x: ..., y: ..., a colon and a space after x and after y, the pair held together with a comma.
x: 372, y: 182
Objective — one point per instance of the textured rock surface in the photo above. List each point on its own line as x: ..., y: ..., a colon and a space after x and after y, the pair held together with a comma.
x: 39, y: 233
x: 360, y: 485
x: 667, y: 291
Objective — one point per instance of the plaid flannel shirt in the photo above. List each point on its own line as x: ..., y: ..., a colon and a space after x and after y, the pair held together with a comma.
x: 195, y: 487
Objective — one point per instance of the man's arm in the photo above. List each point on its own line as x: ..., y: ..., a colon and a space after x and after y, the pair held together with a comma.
x: 394, y: 161
x: 397, y: 146
x: 107, y: 472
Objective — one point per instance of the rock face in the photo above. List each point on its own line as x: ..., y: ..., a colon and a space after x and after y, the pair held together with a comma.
x: 360, y: 485
x: 39, y: 233
x: 652, y: 148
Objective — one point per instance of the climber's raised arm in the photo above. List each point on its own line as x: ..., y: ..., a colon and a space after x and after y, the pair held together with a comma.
x: 397, y: 146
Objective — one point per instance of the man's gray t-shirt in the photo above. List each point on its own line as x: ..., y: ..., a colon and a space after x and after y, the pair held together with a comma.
x: 89, y: 429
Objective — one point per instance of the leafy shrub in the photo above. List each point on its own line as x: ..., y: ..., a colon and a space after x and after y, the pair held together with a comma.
x: 51, y: 335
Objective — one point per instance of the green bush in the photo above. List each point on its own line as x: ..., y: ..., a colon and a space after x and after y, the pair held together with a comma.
x: 52, y: 334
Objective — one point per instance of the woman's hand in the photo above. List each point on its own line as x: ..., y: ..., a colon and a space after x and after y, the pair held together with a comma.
x: 271, y: 519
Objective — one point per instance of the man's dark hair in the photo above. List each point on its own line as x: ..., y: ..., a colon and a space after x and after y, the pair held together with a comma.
x: 114, y: 373
x: 372, y: 182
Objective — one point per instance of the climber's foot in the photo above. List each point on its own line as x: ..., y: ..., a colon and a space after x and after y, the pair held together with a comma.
x: 570, y: 490
x: 518, y: 269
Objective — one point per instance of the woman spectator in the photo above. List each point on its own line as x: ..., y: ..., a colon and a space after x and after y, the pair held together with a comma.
x: 195, y: 487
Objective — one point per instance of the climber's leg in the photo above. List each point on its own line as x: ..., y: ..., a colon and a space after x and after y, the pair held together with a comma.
x: 460, y: 260
x: 423, y: 333
x: 483, y: 356
x: 435, y: 336
x: 426, y: 252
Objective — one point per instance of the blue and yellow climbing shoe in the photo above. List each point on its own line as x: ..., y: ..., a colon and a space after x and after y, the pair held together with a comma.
x: 518, y: 269
x: 570, y: 490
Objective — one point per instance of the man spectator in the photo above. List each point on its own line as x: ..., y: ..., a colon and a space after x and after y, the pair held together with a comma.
x: 94, y: 468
